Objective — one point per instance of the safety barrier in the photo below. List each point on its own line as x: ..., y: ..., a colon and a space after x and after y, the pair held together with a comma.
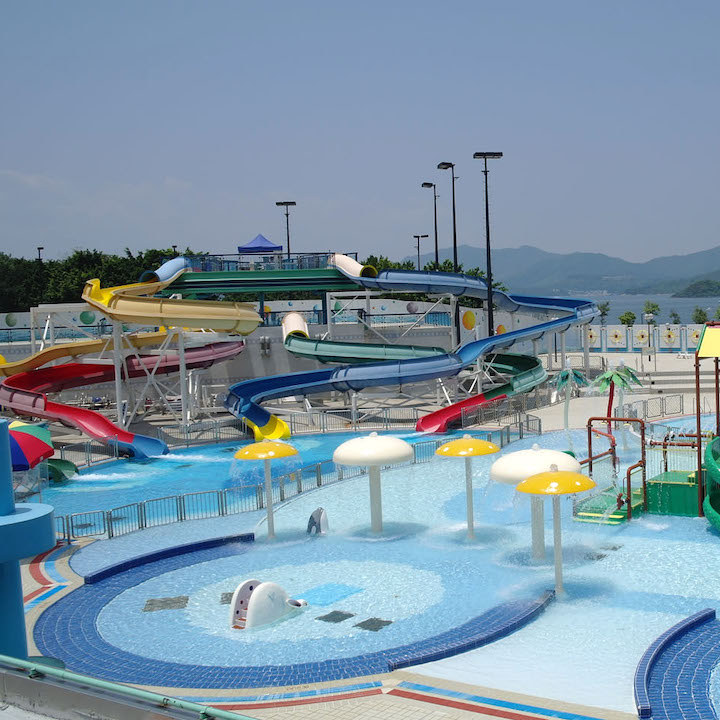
x: 359, y: 419
x: 654, y: 407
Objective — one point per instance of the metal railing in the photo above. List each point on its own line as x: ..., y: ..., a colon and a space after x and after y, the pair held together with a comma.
x: 653, y: 408
x: 234, y: 262
x: 508, y: 409
x: 231, y: 501
x: 83, y: 690
x: 88, y: 452
x: 360, y: 419
x: 203, y: 432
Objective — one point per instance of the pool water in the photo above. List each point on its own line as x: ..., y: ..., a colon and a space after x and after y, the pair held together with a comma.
x: 423, y: 576
x: 184, y: 471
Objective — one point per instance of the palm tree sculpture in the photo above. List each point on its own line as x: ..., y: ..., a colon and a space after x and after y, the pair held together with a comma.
x: 568, y: 379
x: 621, y: 377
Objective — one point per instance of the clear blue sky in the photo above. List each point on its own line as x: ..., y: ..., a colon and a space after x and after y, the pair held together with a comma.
x: 143, y: 124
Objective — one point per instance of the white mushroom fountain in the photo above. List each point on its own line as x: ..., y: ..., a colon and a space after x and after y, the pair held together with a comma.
x: 517, y: 466
x: 373, y: 451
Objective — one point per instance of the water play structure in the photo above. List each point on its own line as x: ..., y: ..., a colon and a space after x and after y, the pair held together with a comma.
x: 255, y: 603
x: 373, y: 452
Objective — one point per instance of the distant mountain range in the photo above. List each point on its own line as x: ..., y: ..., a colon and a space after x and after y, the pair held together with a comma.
x: 532, y: 270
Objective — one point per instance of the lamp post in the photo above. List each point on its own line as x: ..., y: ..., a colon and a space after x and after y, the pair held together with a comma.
x: 484, y: 156
x: 649, y: 317
x: 451, y: 166
x: 40, y: 249
x: 435, y: 197
x: 418, y: 238
x: 287, y: 204
x: 174, y: 249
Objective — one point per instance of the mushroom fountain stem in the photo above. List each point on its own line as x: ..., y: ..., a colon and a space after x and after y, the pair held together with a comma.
x: 537, y: 527
x: 557, y: 532
x: 269, y: 501
x: 375, y: 499
x: 469, y: 498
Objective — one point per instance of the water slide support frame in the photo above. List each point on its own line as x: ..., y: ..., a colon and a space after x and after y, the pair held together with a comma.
x: 61, y: 316
x: 117, y: 358
x: 152, y: 381
x: 355, y: 295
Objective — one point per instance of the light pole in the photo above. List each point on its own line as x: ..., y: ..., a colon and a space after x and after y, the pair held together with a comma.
x: 40, y: 249
x: 451, y: 166
x: 435, y: 197
x: 649, y: 317
x: 418, y: 238
x: 484, y: 156
x: 174, y: 247
x: 287, y: 204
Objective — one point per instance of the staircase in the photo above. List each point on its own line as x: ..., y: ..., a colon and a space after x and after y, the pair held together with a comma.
x: 602, y: 508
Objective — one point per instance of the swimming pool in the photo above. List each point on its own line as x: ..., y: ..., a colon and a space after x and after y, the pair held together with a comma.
x: 626, y: 585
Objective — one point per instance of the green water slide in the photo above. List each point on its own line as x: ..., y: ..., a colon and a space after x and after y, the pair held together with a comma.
x: 349, y: 353
x: 60, y: 470
x: 205, y: 283
x: 711, y: 505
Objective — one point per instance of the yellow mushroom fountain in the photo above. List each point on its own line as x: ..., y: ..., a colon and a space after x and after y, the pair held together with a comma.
x: 468, y: 447
x: 554, y: 484
x: 267, y: 450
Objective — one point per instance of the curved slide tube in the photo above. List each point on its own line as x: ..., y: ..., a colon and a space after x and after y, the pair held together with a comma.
x: 75, y: 349
x: 244, y: 398
x: 132, y: 304
x: 25, y: 393
x: 297, y: 341
x: 526, y: 371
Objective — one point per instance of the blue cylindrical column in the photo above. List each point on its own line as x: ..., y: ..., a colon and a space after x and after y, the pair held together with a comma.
x: 7, y: 502
x: 26, y: 529
x: 12, y: 638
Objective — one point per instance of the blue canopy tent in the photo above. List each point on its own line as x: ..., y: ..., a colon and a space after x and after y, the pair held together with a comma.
x: 259, y: 244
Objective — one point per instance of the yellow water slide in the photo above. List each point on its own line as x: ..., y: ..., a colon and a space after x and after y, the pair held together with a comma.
x: 134, y: 304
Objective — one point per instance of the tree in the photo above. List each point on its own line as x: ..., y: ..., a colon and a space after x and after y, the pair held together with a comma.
x: 380, y: 262
x: 621, y: 377
x: 567, y: 380
x: 717, y: 313
x: 651, y: 308
x: 604, y: 308
x: 628, y: 318
x: 699, y: 316
x: 675, y: 317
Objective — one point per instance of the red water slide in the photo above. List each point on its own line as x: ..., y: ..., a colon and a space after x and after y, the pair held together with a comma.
x: 25, y: 393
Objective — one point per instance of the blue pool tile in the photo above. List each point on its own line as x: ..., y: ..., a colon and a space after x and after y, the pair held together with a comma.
x: 329, y: 593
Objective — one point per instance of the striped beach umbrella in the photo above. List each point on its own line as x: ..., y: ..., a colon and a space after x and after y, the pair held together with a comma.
x: 29, y: 445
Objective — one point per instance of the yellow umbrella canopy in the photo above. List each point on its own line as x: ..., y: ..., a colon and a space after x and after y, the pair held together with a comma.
x: 265, y: 450
x: 467, y: 447
x: 556, y: 482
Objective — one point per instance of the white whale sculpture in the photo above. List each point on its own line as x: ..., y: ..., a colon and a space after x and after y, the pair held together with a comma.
x: 318, y: 522
x: 256, y: 603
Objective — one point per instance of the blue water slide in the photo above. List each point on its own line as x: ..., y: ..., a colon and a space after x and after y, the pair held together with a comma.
x: 244, y: 398
x: 166, y: 271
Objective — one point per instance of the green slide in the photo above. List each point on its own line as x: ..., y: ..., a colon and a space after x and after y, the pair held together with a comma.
x: 327, y: 351
x: 60, y: 470
x: 711, y: 505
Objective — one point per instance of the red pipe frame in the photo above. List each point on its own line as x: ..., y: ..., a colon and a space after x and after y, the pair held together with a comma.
x: 641, y: 464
